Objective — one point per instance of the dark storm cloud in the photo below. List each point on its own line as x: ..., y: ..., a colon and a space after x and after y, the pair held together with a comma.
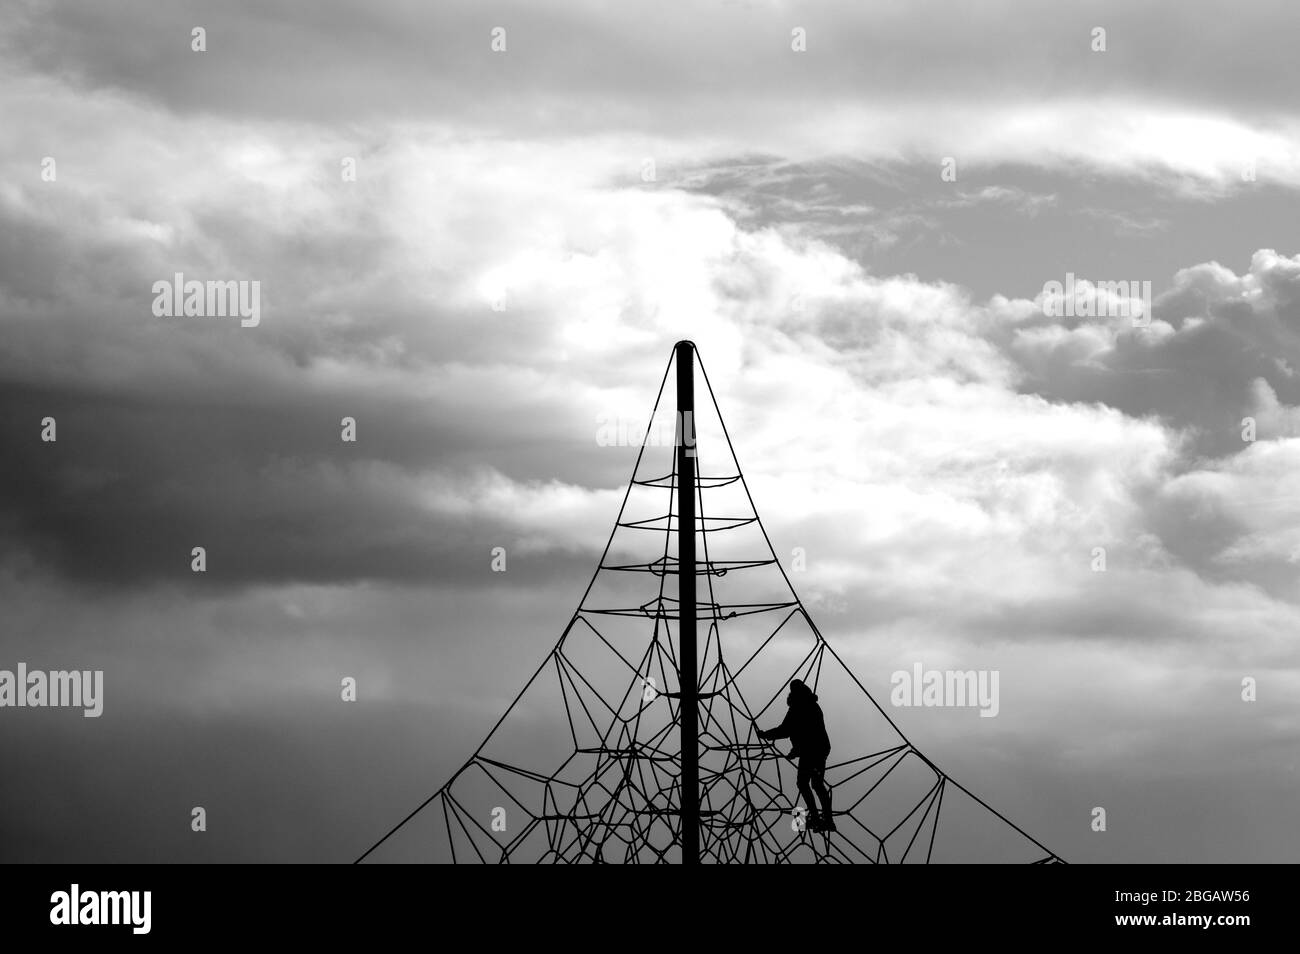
x: 175, y: 433
x: 590, y: 66
x: 1230, y: 332
x: 233, y: 765
x: 270, y: 491
x: 1003, y: 228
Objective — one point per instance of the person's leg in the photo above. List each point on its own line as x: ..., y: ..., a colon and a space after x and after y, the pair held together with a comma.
x: 805, y: 774
x: 818, y: 779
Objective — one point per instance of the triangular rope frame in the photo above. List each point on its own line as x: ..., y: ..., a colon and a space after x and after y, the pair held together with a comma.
x: 624, y: 807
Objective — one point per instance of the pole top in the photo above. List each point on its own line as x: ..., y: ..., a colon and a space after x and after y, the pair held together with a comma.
x: 685, y: 343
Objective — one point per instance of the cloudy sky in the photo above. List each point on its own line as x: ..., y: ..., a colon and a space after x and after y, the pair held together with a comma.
x: 528, y: 233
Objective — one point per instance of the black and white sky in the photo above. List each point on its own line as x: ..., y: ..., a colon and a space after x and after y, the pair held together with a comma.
x: 947, y: 455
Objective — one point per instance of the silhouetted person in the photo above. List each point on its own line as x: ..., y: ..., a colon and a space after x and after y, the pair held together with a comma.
x: 805, y: 727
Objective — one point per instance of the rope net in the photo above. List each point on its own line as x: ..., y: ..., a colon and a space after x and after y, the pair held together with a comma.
x: 585, y: 764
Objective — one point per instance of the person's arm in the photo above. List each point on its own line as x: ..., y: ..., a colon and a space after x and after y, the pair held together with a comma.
x: 782, y: 731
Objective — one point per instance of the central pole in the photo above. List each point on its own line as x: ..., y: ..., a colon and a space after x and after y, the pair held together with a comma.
x: 688, y: 677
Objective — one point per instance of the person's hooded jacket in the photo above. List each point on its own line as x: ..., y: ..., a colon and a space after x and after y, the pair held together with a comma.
x: 804, y: 724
